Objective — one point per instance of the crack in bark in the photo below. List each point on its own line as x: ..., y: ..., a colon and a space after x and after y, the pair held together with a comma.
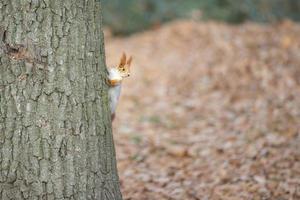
x: 17, y: 52
x: 3, y: 35
x: 2, y: 39
x: 20, y: 52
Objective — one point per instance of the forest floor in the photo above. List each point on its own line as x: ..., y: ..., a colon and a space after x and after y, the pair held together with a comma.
x: 211, y: 112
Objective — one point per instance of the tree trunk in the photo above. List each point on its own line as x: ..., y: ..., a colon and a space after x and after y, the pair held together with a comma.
x: 55, y: 130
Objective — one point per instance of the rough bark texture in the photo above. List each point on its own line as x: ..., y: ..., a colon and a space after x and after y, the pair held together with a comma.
x: 55, y: 130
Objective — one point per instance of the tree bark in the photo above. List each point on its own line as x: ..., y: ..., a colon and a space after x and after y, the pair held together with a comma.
x: 55, y: 129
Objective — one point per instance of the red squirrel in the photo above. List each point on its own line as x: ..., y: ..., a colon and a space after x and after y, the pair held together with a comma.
x: 115, y: 77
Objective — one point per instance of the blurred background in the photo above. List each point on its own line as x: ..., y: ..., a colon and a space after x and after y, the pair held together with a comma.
x: 211, y: 110
x: 128, y: 16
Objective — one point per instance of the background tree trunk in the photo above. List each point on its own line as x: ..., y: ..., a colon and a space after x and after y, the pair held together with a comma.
x: 55, y: 129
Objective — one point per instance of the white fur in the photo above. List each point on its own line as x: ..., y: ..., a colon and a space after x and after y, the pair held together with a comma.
x: 114, y: 74
x: 114, y: 91
x: 114, y: 94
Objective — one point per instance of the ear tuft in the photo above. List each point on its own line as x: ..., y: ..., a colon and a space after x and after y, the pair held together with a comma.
x: 129, y: 61
x: 123, y: 60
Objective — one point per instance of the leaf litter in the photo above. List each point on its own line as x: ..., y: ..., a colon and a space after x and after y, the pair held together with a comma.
x: 211, y: 111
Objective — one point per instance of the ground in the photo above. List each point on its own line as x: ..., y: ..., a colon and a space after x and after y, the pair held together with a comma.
x: 211, y: 112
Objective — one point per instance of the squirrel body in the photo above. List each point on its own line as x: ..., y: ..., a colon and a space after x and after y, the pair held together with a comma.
x: 114, y: 90
x: 115, y: 77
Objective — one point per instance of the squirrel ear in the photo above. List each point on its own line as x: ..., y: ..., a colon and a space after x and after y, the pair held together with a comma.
x: 123, y: 60
x: 129, y: 61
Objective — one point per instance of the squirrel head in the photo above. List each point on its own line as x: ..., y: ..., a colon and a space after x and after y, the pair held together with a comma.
x: 124, y: 66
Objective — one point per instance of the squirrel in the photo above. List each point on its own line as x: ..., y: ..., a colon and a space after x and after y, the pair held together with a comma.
x: 115, y: 77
